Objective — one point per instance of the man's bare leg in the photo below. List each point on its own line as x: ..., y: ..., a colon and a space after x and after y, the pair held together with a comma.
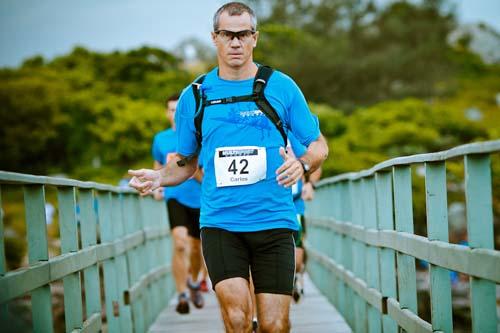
x: 179, y: 257
x: 196, y: 262
x: 273, y: 313
x: 179, y: 266
x: 195, y: 258
x: 236, y: 304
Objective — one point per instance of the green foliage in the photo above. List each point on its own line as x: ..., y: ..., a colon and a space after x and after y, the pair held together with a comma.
x: 350, y: 53
x: 30, y: 114
x: 86, y: 113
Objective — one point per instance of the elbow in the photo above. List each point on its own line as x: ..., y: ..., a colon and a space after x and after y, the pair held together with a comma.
x: 325, y: 149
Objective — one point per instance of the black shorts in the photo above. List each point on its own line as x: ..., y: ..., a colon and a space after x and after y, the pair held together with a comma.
x: 180, y: 215
x: 269, y: 254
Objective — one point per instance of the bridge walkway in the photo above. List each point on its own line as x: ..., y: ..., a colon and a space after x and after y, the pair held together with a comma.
x: 313, y: 314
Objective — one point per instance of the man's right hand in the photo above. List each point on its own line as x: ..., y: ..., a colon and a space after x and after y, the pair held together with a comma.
x: 145, y: 180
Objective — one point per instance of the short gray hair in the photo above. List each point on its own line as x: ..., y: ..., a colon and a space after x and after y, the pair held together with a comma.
x: 235, y: 8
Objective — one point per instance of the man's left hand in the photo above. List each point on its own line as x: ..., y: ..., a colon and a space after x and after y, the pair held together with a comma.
x: 290, y: 171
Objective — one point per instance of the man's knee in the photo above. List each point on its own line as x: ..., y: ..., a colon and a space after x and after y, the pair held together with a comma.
x: 274, y: 325
x: 180, y: 239
x: 239, y: 320
x: 180, y: 244
x: 196, y: 248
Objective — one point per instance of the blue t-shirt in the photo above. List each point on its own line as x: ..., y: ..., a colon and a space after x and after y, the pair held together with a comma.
x: 264, y: 204
x: 299, y: 150
x: 164, y: 147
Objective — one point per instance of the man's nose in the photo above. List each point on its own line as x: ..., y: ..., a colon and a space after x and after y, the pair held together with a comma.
x: 235, y: 42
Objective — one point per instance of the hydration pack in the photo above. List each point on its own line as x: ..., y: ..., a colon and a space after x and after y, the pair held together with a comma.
x: 257, y: 96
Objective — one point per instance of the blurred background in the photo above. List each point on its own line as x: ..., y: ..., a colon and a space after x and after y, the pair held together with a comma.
x: 83, y: 85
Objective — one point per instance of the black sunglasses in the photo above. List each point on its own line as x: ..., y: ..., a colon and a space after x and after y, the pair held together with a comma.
x: 228, y: 35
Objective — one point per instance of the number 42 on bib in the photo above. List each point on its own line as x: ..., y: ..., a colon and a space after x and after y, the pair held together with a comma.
x: 242, y: 165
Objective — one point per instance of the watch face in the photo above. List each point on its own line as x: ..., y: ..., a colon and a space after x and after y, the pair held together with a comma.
x: 305, y: 166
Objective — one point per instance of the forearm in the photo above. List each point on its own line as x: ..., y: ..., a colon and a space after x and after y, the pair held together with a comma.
x: 315, y: 175
x: 172, y: 174
x: 316, y: 154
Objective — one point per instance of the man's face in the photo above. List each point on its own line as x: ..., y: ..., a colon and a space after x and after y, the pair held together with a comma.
x: 171, y: 106
x: 237, y: 51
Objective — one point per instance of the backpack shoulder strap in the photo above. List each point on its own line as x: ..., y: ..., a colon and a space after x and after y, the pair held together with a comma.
x: 197, y: 94
x: 200, y: 107
x: 259, y: 85
x: 196, y: 87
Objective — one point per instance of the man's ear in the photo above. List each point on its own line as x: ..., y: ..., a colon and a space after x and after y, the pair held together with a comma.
x: 214, y: 38
x: 255, y: 38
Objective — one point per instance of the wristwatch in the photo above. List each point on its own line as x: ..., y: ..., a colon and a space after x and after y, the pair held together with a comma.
x: 306, y: 167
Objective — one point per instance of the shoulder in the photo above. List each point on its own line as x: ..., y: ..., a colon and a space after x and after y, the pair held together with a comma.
x: 279, y: 78
x: 283, y: 85
x: 163, y: 134
x: 186, y: 100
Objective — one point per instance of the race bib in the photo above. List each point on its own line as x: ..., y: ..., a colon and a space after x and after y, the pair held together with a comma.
x: 243, y: 165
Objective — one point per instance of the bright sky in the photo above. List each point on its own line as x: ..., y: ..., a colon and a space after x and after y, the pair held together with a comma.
x: 54, y: 27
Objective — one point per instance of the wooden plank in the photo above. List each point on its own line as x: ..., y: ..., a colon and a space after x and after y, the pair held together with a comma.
x: 88, y: 232
x: 472, y: 148
x: 117, y: 223
x: 41, y: 300
x: 25, y: 179
x: 73, y: 307
x: 370, y: 295
x: 407, y: 319
x: 3, y: 263
x: 385, y: 220
x: 372, y: 252
x: 132, y: 216
x: 482, y: 263
x: 92, y: 325
x: 358, y: 257
x: 109, y: 265
x: 437, y: 229
x: 403, y: 212
x: 4, y: 310
x: 478, y: 195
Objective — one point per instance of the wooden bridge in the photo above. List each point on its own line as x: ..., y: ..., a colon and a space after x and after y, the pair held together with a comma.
x: 365, y: 257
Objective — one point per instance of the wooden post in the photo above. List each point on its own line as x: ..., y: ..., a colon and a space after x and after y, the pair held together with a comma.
x: 41, y: 300
x: 478, y: 197
x: 88, y: 232
x: 4, y: 309
x: 437, y: 229
x: 407, y: 281
x: 385, y: 221
x: 73, y: 312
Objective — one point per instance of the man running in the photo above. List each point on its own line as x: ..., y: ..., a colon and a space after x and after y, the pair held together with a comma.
x: 183, y: 203
x: 247, y: 212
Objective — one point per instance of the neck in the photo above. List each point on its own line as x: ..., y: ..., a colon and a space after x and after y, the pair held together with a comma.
x: 246, y: 71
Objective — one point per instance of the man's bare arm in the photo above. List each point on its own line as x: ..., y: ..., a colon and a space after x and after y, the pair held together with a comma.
x: 315, y: 176
x: 316, y: 154
x: 147, y: 180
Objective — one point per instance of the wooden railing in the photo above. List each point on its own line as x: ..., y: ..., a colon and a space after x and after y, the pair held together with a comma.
x: 125, y: 234
x: 363, y: 247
